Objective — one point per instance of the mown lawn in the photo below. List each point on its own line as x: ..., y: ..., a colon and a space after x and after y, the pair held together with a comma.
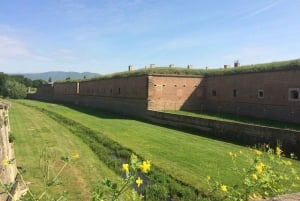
x: 187, y: 157
x: 34, y: 131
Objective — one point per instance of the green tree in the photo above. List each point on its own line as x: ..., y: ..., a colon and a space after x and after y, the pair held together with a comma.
x: 37, y: 83
x: 3, y: 78
x: 14, y: 89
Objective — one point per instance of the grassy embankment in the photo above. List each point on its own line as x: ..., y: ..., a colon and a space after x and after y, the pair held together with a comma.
x: 33, y: 131
x: 186, y: 157
x: 237, y: 119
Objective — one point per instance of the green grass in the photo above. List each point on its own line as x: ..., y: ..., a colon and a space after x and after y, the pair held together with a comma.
x: 237, y: 119
x: 34, y: 131
x: 272, y: 66
x: 186, y: 157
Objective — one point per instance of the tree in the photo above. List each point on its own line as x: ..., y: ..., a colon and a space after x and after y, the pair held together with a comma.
x: 68, y: 78
x: 14, y: 89
x: 37, y: 83
x: 49, y: 80
x: 3, y: 78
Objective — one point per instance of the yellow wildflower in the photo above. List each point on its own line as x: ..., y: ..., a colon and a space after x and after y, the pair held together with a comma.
x: 223, y: 188
x: 76, y: 156
x: 257, y: 152
x: 139, y: 181
x: 288, y: 163
x: 208, y: 178
x: 254, y: 176
x: 278, y: 151
x: 145, y: 166
x: 5, y: 162
x: 233, y: 155
x: 125, y: 167
x: 254, y: 196
x: 259, y: 168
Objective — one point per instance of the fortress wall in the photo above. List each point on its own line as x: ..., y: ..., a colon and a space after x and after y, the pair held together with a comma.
x: 66, y: 92
x: 173, y: 92
x: 262, y: 95
x: 123, y: 95
x: 128, y: 87
x: 65, y: 88
x: 44, y: 92
x: 131, y: 106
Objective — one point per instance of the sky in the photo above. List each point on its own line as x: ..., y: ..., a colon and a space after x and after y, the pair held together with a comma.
x: 106, y: 36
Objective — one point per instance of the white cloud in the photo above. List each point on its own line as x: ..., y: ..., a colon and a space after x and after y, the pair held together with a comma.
x: 11, y: 47
x: 261, y: 10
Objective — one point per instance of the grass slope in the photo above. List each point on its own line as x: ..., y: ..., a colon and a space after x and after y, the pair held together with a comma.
x: 186, y: 157
x: 34, y: 131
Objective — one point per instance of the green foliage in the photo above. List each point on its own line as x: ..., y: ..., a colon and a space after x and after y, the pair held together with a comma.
x: 11, y: 138
x: 14, y: 89
x: 37, y: 83
x: 269, y: 174
x: 49, y: 181
x: 131, y: 177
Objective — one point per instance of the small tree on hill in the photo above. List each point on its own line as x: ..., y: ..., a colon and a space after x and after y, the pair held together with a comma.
x: 14, y: 89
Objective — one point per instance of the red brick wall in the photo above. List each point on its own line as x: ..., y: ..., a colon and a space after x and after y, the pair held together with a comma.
x: 171, y: 92
x: 65, y: 88
x: 275, y: 86
x: 274, y: 104
x: 129, y: 87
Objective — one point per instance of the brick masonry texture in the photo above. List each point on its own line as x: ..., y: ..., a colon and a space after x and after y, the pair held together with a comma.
x: 261, y: 94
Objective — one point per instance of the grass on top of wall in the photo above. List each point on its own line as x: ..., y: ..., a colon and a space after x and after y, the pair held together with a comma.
x: 237, y: 119
x: 264, y: 67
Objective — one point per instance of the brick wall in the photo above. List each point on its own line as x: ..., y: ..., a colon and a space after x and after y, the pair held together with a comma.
x: 263, y: 95
x: 129, y: 87
x: 173, y: 92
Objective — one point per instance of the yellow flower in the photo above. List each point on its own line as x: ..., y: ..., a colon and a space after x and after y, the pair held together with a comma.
x: 288, y: 163
x: 125, y: 167
x: 257, y: 152
x: 223, y: 188
x: 278, y: 151
x: 5, y: 162
x: 233, y: 155
x: 208, y: 178
x: 145, y: 166
x: 139, y: 181
x: 254, y: 176
x: 254, y: 196
x: 76, y: 156
x: 259, y: 168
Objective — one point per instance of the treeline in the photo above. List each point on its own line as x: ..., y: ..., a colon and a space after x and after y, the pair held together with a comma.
x: 17, y: 86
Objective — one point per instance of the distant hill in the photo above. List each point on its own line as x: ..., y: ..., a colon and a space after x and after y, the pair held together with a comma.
x: 59, y: 75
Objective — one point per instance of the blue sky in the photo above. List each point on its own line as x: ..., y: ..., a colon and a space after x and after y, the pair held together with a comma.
x: 105, y: 36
